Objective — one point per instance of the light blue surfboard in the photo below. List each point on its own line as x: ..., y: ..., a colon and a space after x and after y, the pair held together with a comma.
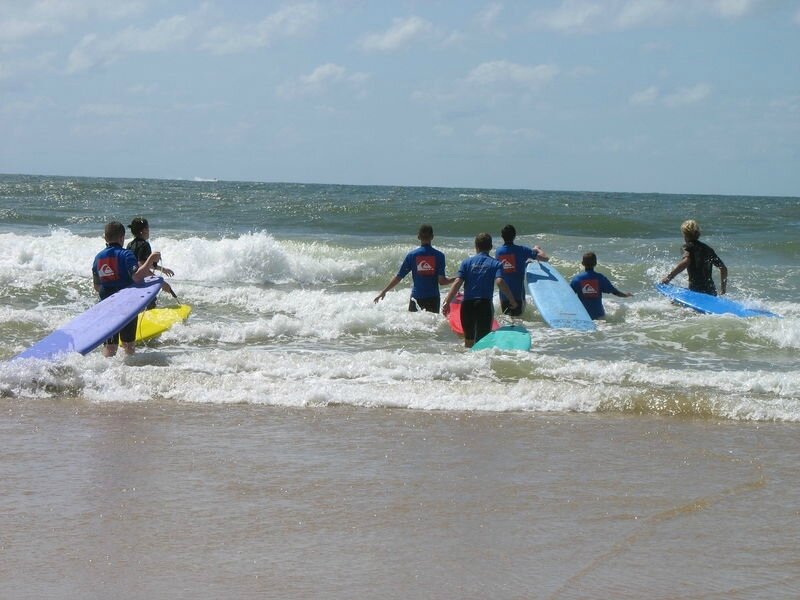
x: 707, y: 304
x: 510, y: 337
x: 88, y: 330
x: 558, y: 304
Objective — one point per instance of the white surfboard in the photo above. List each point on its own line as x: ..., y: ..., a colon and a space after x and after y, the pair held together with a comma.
x: 558, y: 304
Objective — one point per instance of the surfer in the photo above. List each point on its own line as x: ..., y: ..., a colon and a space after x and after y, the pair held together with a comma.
x: 427, y: 267
x: 590, y: 287
x: 479, y: 274
x: 115, y: 268
x: 514, y: 259
x: 140, y: 229
x: 698, y: 260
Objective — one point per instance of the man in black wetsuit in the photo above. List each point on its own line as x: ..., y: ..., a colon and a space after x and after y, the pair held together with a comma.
x: 699, y: 259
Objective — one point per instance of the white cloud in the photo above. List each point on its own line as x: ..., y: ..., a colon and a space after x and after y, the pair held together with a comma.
x: 107, y: 110
x: 501, y: 72
x: 17, y: 30
x: 444, y: 131
x: 588, y: 16
x: 22, y: 67
x: 320, y: 80
x: 93, y: 50
x: 646, y: 96
x: 401, y: 33
x: 287, y: 22
x: 71, y: 10
x: 680, y: 97
x: 572, y: 15
x: 494, y: 134
x: 733, y: 8
x: 487, y: 17
x: 26, y: 20
x: 25, y: 108
x: 690, y: 95
x: 797, y: 17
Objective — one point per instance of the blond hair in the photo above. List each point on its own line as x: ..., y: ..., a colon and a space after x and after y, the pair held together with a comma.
x: 690, y: 230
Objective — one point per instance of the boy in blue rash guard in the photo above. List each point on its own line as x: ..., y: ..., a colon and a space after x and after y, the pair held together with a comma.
x: 479, y: 274
x: 514, y: 259
x: 427, y: 267
x: 590, y: 287
x: 115, y: 268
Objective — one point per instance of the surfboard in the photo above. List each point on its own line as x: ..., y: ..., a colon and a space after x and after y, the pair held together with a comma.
x: 88, y: 330
x: 156, y: 321
x: 556, y: 301
x: 707, y: 304
x: 510, y: 337
x: 454, y: 316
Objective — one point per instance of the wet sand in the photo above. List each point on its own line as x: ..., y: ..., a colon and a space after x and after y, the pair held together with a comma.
x: 164, y: 500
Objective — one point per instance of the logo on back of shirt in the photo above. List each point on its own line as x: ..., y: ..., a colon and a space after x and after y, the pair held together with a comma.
x: 509, y: 263
x: 107, y: 269
x: 590, y: 288
x: 426, y: 265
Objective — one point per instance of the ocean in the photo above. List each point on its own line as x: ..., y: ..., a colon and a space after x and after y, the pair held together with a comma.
x: 294, y: 439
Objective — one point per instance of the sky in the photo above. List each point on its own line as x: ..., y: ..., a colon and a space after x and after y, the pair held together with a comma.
x: 671, y: 96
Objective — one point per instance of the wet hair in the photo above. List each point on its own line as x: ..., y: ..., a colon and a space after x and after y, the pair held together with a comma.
x: 138, y: 225
x: 589, y: 260
x: 690, y: 230
x: 425, y: 232
x: 113, y: 230
x: 483, y: 242
x: 509, y: 233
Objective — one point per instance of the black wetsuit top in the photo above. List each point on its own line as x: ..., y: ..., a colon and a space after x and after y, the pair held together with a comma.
x: 141, y: 248
x: 701, y: 259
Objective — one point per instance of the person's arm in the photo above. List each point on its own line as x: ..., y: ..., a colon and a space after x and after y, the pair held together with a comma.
x: 541, y: 255
x: 616, y: 292
x: 394, y: 281
x: 723, y: 280
x: 444, y: 280
x: 451, y: 294
x: 679, y: 268
x: 506, y: 292
x: 146, y: 269
x: 164, y: 270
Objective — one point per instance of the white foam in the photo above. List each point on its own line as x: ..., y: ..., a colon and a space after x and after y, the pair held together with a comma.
x: 454, y: 380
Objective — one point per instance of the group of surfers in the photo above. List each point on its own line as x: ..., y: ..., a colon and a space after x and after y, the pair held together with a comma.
x: 479, y: 274
x: 117, y: 267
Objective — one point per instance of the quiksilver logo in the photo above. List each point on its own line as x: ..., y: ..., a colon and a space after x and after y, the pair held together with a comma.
x: 106, y: 271
x: 588, y: 288
x: 424, y: 265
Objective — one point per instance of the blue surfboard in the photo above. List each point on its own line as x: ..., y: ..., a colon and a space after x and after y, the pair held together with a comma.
x: 558, y: 304
x: 707, y: 304
x: 88, y: 330
x: 510, y: 337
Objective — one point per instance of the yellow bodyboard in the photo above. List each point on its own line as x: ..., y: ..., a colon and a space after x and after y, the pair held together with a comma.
x: 156, y: 321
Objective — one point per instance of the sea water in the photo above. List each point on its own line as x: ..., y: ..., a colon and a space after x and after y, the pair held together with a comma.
x: 294, y: 439
x: 281, y: 278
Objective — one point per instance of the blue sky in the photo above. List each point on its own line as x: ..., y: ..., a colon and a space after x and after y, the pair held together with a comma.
x: 683, y: 96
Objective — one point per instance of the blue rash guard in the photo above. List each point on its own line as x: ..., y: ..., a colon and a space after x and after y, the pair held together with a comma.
x: 113, y: 269
x: 478, y: 273
x: 590, y: 287
x: 514, y: 258
x: 425, y: 264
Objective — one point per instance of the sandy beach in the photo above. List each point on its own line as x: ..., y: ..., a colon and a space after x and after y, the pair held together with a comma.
x: 182, y: 501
